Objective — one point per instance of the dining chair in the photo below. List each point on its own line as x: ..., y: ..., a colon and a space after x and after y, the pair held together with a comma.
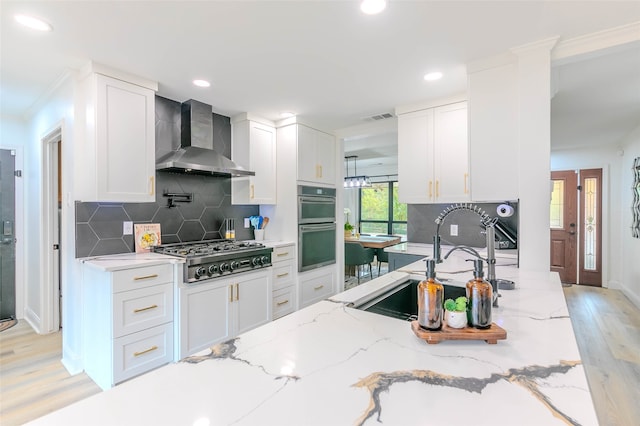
x: 381, y: 256
x: 356, y: 255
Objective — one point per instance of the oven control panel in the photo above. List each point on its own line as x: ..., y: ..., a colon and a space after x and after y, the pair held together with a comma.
x: 215, y: 268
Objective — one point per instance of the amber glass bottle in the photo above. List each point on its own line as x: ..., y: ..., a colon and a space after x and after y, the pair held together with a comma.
x: 480, y: 298
x: 430, y: 300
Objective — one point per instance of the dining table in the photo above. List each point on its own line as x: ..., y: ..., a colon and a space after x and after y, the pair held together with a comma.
x: 375, y: 241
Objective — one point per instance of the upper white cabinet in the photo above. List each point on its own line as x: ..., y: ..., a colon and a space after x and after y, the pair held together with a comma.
x: 316, y: 156
x: 253, y: 146
x: 493, y: 133
x: 433, y: 155
x: 116, y: 139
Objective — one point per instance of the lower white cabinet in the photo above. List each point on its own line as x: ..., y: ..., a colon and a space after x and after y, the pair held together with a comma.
x: 217, y: 310
x: 127, y: 321
x: 316, y: 285
x: 284, y: 279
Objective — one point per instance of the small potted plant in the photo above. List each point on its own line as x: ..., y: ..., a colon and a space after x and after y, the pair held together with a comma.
x: 455, y: 313
x: 348, y: 228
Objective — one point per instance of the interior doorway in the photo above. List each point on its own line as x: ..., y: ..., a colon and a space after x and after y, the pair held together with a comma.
x: 8, y: 237
x: 576, y: 226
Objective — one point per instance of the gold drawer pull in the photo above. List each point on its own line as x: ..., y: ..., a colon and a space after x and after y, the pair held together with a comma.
x: 430, y: 189
x: 319, y: 287
x: 437, y: 188
x: 283, y: 302
x: 252, y: 193
x: 282, y: 275
x: 152, y: 188
x: 146, y: 277
x: 466, y: 191
x: 145, y: 309
x: 151, y: 349
x: 283, y: 254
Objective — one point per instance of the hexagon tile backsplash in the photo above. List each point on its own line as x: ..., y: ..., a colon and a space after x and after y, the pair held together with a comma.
x: 99, y: 225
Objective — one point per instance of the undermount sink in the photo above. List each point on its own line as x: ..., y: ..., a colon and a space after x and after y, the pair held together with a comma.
x: 402, y: 301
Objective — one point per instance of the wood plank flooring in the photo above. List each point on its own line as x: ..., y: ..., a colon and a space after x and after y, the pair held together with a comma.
x: 33, y: 381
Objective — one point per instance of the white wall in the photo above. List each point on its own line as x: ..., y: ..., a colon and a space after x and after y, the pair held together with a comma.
x: 608, y: 159
x: 630, y: 247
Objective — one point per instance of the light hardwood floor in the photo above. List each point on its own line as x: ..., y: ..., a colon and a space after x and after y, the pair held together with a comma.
x: 33, y: 382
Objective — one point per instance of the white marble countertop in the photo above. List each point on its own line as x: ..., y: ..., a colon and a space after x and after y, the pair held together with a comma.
x: 329, y: 364
x: 117, y: 262
x: 422, y: 249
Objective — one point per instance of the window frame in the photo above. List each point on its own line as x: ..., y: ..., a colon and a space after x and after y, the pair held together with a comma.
x: 390, y: 222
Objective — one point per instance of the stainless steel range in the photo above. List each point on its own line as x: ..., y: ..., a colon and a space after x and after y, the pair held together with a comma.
x: 215, y: 258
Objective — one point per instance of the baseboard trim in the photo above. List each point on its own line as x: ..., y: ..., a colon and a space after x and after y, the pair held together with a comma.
x: 635, y: 298
x: 33, y: 319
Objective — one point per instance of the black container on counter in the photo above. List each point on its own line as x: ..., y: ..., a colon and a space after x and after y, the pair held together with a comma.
x: 430, y: 300
x: 480, y: 298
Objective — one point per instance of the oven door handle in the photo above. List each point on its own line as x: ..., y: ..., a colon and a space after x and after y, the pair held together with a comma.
x: 316, y: 200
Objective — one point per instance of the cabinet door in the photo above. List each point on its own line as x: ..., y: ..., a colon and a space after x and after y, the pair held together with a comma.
x: 415, y: 157
x: 316, y: 286
x: 262, y: 189
x: 125, y: 137
x: 326, y: 158
x: 307, y: 165
x: 253, y: 301
x: 205, y: 316
x: 451, y: 153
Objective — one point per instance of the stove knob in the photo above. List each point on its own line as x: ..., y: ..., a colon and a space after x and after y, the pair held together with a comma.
x: 224, y: 267
x: 201, y: 271
x: 255, y: 261
x: 264, y: 260
x: 234, y: 265
x: 213, y: 269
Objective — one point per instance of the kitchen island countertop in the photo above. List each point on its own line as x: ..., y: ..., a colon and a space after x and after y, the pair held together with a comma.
x: 331, y: 364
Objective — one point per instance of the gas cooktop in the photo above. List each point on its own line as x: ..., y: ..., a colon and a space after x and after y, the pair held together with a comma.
x: 207, y: 247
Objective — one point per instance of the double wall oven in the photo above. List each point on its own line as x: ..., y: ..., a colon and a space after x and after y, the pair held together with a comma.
x: 225, y: 290
x: 316, y: 227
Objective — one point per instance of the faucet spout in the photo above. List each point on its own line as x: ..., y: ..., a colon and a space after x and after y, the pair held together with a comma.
x: 466, y: 249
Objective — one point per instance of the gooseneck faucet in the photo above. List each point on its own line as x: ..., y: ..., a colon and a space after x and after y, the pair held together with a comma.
x: 489, y: 224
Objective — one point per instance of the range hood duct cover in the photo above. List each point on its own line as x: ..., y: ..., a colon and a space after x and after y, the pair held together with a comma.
x: 197, y: 156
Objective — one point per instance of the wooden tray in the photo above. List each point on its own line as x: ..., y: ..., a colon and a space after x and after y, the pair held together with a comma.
x: 490, y: 335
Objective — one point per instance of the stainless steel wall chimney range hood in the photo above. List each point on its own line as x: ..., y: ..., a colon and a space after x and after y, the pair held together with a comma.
x: 197, y: 156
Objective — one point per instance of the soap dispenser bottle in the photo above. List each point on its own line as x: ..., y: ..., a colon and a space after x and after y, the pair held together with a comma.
x: 430, y: 300
x: 480, y: 298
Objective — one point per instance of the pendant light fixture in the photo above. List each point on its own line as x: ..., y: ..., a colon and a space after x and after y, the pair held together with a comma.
x: 355, y: 181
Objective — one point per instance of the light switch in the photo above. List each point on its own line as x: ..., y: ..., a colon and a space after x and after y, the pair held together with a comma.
x: 127, y: 228
x: 246, y: 222
x: 453, y: 231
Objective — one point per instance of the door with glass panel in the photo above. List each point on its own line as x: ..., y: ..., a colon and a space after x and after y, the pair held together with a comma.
x: 576, y: 226
x: 7, y: 240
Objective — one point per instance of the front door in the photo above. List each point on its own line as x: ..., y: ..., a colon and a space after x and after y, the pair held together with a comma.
x: 563, y: 215
x: 7, y: 235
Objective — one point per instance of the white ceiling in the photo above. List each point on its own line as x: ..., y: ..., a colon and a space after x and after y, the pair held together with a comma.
x: 324, y: 60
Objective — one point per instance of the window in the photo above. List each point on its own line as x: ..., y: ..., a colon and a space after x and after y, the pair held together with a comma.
x: 380, y: 210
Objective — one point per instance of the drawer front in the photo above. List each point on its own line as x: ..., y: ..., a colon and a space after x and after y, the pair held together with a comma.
x: 143, y: 308
x: 280, y: 254
x: 130, y: 279
x: 282, y: 275
x: 283, y: 302
x: 140, y: 352
x: 316, y: 289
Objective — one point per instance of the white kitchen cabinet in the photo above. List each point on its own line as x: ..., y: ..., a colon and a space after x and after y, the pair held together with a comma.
x: 127, y: 321
x: 433, y: 155
x: 219, y: 309
x: 253, y: 146
x: 316, y: 156
x: 316, y: 285
x: 284, y: 279
x: 117, y: 140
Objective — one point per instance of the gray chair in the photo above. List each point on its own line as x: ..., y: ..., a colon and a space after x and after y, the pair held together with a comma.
x: 356, y: 255
x: 381, y: 256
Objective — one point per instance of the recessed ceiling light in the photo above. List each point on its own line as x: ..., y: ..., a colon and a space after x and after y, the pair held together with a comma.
x: 372, y: 7
x: 287, y: 114
x: 201, y: 83
x: 433, y: 76
x: 33, y: 23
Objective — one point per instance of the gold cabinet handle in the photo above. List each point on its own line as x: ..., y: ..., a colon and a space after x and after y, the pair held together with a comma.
x: 318, y: 287
x: 320, y: 168
x: 146, y: 351
x: 437, y: 188
x: 430, y: 189
x: 145, y: 309
x: 252, y: 192
x: 146, y: 277
x: 152, y: 186
x: 231, y: 293
x: 237, y: 292
x: 282, y: 275
x: 282, y: 254
x: 284, y: 302
x: 466, y: 190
